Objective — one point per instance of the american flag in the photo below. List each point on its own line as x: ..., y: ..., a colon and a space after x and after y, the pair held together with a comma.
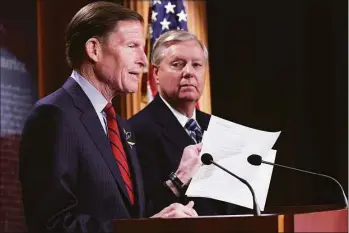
x: 164, y: 15
x: 167, y: 15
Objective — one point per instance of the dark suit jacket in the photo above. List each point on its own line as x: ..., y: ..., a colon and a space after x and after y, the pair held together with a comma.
x: 70, y: 179
x: 160, y: 141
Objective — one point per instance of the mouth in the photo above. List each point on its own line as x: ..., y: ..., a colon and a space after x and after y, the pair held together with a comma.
x: 188, y: 85
x: 136, y: 73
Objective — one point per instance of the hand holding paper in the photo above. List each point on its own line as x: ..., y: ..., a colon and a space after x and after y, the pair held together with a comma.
x: 230, y: 144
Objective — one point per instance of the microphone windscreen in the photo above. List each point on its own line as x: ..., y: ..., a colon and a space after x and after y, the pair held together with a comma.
x: 206, y: 159
x: 254, y: 159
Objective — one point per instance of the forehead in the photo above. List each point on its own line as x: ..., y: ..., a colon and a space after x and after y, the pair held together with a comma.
x: 128, y: 30
x: 185, y: 50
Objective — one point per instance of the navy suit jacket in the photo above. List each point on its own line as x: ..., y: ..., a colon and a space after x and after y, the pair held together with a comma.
x: 160, y: 140
x: 70, y: 178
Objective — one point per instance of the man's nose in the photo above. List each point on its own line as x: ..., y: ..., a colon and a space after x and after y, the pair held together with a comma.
x: 188, y: 71
x: 143, y: 60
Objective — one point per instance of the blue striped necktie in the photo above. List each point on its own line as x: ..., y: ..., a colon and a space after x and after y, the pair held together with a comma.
x: 194, y: 129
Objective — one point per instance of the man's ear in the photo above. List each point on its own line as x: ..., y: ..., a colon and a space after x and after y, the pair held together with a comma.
x: 93, y: 49
x: 155, y: 74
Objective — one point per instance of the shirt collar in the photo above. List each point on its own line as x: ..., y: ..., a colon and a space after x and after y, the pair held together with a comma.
x: 180, y: 117
x: 97, y: 99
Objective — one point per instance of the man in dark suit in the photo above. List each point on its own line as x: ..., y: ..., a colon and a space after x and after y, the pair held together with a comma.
x: 78, y: 162
x: 171, y: 122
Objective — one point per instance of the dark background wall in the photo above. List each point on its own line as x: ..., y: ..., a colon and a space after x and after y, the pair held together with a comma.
x: 282, y: 65
x: 18, y: 89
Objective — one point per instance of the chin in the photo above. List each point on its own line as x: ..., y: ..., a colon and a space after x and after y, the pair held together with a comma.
x: 132, y: 89
x: 189, y: 98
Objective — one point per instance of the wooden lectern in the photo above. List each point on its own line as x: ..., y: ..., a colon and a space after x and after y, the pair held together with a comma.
x: 320, y: 219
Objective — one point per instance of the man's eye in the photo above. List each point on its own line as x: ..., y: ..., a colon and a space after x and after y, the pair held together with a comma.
x: 132, y: 45
x: 177, y: 64
x: 197, y: 64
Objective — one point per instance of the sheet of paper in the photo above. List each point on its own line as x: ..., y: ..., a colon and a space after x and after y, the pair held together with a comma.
x: 230, y: 144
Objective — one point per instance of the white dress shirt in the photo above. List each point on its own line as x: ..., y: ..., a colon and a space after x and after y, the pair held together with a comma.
x: 180, y: 117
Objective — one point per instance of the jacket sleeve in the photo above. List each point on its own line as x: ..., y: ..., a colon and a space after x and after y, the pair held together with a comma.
x: 48, y: 171
x: 153, y: 162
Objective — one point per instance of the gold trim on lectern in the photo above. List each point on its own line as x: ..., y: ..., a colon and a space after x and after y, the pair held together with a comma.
x: 281, y: 226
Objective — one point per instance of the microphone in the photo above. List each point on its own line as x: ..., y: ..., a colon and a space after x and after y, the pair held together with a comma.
x: 256, y: 160
x: 207, y: 159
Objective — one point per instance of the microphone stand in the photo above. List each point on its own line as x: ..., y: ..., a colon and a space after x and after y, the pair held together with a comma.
x: 255, y: 205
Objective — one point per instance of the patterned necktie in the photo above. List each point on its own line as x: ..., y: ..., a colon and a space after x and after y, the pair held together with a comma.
x: 194, y: 130
x: 118, y: 149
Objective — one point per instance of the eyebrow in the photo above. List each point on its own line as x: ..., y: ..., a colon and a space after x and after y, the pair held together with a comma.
x: 184, y: 59
x: 178, y: 58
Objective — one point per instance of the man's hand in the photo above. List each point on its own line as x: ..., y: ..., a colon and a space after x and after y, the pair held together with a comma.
x: 190, y: 163
x: 177, y: 210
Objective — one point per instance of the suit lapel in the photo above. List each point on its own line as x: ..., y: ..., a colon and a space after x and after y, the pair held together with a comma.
x: 172, y: 130
x: 93, y: 126
x: 131, y: 153
x: 203, y: 119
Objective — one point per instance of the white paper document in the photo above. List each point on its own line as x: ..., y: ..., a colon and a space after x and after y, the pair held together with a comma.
x: 230, y: 144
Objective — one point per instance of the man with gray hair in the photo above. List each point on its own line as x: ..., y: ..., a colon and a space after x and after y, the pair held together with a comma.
x: 171, y: 122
